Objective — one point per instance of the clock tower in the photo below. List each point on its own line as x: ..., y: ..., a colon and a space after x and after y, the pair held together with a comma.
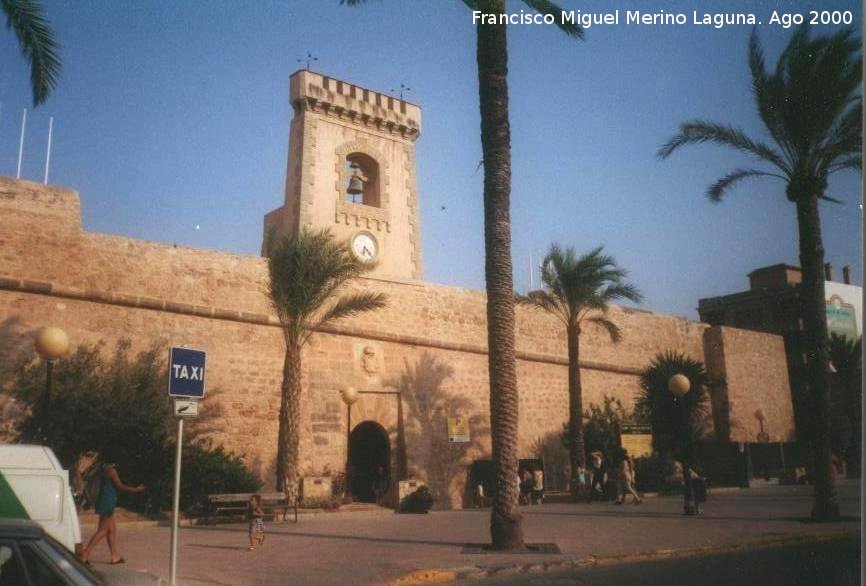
x: 351, y: 169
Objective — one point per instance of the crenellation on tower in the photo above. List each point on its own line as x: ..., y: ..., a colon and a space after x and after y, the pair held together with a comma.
x: 345, y: 101
x: 351, y: 169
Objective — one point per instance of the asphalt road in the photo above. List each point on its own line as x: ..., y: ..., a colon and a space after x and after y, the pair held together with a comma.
x: 828, y: 563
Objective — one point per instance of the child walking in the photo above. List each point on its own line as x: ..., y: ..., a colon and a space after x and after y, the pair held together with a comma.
x: 257, y: 521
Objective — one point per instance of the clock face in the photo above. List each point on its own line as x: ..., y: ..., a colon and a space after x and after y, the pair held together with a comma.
x: 364, y: 246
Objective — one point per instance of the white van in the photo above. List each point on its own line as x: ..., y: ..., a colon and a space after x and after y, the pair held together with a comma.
x: 33, y: 485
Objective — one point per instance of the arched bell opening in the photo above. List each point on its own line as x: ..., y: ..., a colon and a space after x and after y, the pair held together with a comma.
x: 362, y: 180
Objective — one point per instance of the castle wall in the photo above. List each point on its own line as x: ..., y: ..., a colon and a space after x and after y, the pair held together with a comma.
x: 429, y: 342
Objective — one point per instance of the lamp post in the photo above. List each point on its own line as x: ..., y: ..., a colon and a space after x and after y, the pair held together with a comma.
x: 349, y: 396
x: 51, y: 343
x: 679, y: 386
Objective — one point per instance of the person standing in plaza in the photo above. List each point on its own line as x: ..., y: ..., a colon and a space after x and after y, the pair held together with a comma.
x: 537, y: 494
x: 105, y: 505
x: 626, y: 481
x: 598, y: 475
x: 256, y: 517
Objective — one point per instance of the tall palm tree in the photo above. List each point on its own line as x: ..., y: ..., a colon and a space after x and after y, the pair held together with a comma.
x: 492, y: 59
x: 307, y: 271
x: 812, y: 109
x: 36, y: 40
x: 578, y: 291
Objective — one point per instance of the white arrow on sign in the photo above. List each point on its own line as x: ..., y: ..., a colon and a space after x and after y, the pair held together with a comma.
x: 185, y: 408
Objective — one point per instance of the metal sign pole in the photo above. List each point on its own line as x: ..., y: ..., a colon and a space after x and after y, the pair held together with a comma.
x: 176, y: 505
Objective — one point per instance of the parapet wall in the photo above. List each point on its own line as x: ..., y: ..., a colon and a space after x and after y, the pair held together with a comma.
x: 429, y: 342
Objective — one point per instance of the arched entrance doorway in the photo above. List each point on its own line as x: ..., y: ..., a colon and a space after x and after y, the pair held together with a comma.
x: 369, y: 461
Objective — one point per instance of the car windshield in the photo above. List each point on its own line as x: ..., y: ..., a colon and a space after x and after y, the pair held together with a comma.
x: 62, y: 556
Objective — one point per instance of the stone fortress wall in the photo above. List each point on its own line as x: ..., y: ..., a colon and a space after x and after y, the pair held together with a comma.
x: 429, y: 343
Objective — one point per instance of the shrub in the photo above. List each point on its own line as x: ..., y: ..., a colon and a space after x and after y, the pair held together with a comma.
x: 119, y: 406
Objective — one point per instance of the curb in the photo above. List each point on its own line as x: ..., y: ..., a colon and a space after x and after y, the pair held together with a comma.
x: 470, y: 573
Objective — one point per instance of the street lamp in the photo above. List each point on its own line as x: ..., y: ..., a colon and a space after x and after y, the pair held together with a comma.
x: 349, y: 396
x: 51, y: 343
x: 679, y: 385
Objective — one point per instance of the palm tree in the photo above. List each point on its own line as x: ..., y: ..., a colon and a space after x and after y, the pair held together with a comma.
x: 492, y: 59
x: 36, y: 40
x: 812, y: 109
x: 578, y: 291
x: 677, y: 421
x: 307, y: 271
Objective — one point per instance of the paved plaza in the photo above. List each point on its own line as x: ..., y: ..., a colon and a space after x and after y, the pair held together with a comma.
x: 379, y: 547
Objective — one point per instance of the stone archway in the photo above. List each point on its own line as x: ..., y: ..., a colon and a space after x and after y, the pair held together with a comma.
x: 369, y: 461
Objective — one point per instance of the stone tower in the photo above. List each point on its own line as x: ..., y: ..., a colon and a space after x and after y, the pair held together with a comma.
x: 351, y: 169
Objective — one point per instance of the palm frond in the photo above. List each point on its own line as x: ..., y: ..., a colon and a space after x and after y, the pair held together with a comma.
x: 548, y: 7
x: 545, y: 301
x: 849, y: 163
x: 717, y: 189
x: 349, y: 305
x: 612, y: 329
x: 37, y: 44
x: 306, y: 271
x: 622, y: 291
x: 700, y: 131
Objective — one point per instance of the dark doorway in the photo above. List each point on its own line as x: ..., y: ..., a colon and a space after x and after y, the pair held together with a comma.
x: 369, y: 461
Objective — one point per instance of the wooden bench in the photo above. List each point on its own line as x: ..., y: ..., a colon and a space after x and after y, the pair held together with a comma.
x: 233, y: 505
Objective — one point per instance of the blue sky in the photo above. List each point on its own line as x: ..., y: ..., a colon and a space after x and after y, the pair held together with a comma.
x: 170, y: 115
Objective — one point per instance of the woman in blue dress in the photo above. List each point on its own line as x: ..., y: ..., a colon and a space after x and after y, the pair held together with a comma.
x: 105, y: 504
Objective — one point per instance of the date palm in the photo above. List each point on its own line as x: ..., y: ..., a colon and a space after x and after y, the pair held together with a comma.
x: 36, y: 41
x: 812, y: 109
x: 492, y: 60
x: 578, y: 291
x: 677, y: 421
x: 307, y: 272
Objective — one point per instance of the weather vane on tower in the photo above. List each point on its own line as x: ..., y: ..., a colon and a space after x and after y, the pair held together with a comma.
x: 307, y: 60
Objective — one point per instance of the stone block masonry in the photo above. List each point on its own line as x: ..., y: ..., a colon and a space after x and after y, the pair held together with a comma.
x: 429, y: 343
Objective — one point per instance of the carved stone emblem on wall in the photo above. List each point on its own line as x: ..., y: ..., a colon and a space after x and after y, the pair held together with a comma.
x: 370, y: 360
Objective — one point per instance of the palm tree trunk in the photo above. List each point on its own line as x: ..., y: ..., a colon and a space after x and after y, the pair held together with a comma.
x: 575, y: 409
x: 815, y: 324
x: 290, y: 421
x: 492, y: 55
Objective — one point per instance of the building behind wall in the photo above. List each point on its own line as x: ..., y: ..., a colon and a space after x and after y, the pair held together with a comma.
x: 773, y: 304
x: 416, y: 362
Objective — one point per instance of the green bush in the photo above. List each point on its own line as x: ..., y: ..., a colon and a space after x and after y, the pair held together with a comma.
x: 119, y: 406
x: 601, y: 426
x: 650, y: 474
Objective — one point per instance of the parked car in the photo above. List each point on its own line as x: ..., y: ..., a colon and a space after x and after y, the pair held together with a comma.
x: 33, y: 485
x: 31, y: 557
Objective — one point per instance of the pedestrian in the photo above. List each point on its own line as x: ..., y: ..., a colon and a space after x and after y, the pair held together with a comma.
x: 380, y: 485
x: 626, y: 481
x: 105, y: 505
x: 598, y: 476
x: 256, y: 516
x: 537, y: 493
x: 479, y: 495
x: 525, y: 486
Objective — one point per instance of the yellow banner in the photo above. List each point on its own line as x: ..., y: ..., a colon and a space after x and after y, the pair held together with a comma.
x: 458, y: 429
x: 637, y: 444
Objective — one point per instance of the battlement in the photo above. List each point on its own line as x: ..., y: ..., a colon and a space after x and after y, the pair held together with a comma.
x: 311, y: 91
